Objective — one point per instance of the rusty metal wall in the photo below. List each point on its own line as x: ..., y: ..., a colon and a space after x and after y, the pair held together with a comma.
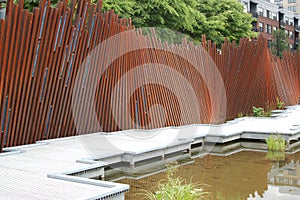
x: 41, y: 53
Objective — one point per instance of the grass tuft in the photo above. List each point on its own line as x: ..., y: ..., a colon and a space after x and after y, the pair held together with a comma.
x: 175, y: 188
x: 276, y: 155
x: 275, y: 143
x: 279, y: 103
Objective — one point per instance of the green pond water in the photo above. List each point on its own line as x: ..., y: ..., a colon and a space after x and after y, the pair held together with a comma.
x: 238, y: 176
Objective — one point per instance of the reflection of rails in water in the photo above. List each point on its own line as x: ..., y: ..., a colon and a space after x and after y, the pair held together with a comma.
x: 145, y: 168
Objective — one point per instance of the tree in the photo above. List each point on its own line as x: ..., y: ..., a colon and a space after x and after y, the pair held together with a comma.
x: 178, y: 15
x: 217, y: 19
x: 279, y: 43
x: 175, y: 15
x: 225, y: 19
x: 125, y: 8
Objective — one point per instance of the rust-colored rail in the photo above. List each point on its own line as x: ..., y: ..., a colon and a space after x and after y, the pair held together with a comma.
x: 42, y: 53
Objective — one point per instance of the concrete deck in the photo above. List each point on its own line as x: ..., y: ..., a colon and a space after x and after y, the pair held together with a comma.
x: 34, y: 171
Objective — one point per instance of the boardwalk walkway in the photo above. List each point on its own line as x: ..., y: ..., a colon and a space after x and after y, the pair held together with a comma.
x: 34, y: 171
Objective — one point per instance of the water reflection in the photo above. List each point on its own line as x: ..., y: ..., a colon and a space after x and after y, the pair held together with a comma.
x: 283, y: 181
x: 243, y: 175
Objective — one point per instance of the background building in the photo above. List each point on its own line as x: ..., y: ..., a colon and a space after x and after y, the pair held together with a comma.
x: 292, y: 5
x: 271, y: 15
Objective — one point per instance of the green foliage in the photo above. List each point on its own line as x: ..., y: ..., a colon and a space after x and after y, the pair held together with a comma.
x: 267, y: 113
x: 240, y: 115
x: 276, y: 155
x: 30, y: 4
x: 225, y: 19
x: 275, y: 143
x: 279, y: 43
x: 125, y: 8
x: 178, y: 15
x: 279, y: 103
x: 218, y: 19
x: 257, y: 112
x: 175, y: 188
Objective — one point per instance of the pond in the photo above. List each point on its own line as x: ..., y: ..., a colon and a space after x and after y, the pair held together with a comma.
x: 243, y: 175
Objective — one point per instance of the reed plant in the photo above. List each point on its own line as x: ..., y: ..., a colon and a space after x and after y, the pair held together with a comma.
x: 275, y: 155
x: 276, y: 143
x: 279, y: 103
x: 175, y: 188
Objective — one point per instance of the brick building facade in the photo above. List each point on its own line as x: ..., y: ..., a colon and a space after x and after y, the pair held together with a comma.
x: 272, y: 16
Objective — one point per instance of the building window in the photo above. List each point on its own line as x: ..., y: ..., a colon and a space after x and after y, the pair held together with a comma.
x: 269, y: 29
x: 274, y: 28
x: 291, y: 1
x: 292, y: 172
x: 261, y: 11
x: 261, y: 27
x: 278, y: 2
x: 292, y: 8
x: 291, y: 35
x: 268, y: 14
x: 286, y: 32
x: 287, y: 20
x: 274, y: 16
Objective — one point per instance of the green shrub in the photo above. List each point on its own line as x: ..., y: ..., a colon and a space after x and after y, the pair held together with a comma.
x: 275, y: 143
x: 257, y: 112
x: 175, y: 188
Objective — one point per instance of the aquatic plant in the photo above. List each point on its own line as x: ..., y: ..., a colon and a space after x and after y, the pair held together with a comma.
x: 267, y: 113
x: 275, y: 155
x: 175, y: 188
x: 257, y: 112
x: 279, y: 103
x: 240, y: 115
x: 275, y: 143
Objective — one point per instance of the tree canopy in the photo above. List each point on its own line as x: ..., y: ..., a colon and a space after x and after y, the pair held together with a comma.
x: 225, y: 19
x: 217, y: 19
x: 279, y: 43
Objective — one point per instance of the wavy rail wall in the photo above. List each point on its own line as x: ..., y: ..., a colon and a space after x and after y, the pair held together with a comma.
x: 74, y: 70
